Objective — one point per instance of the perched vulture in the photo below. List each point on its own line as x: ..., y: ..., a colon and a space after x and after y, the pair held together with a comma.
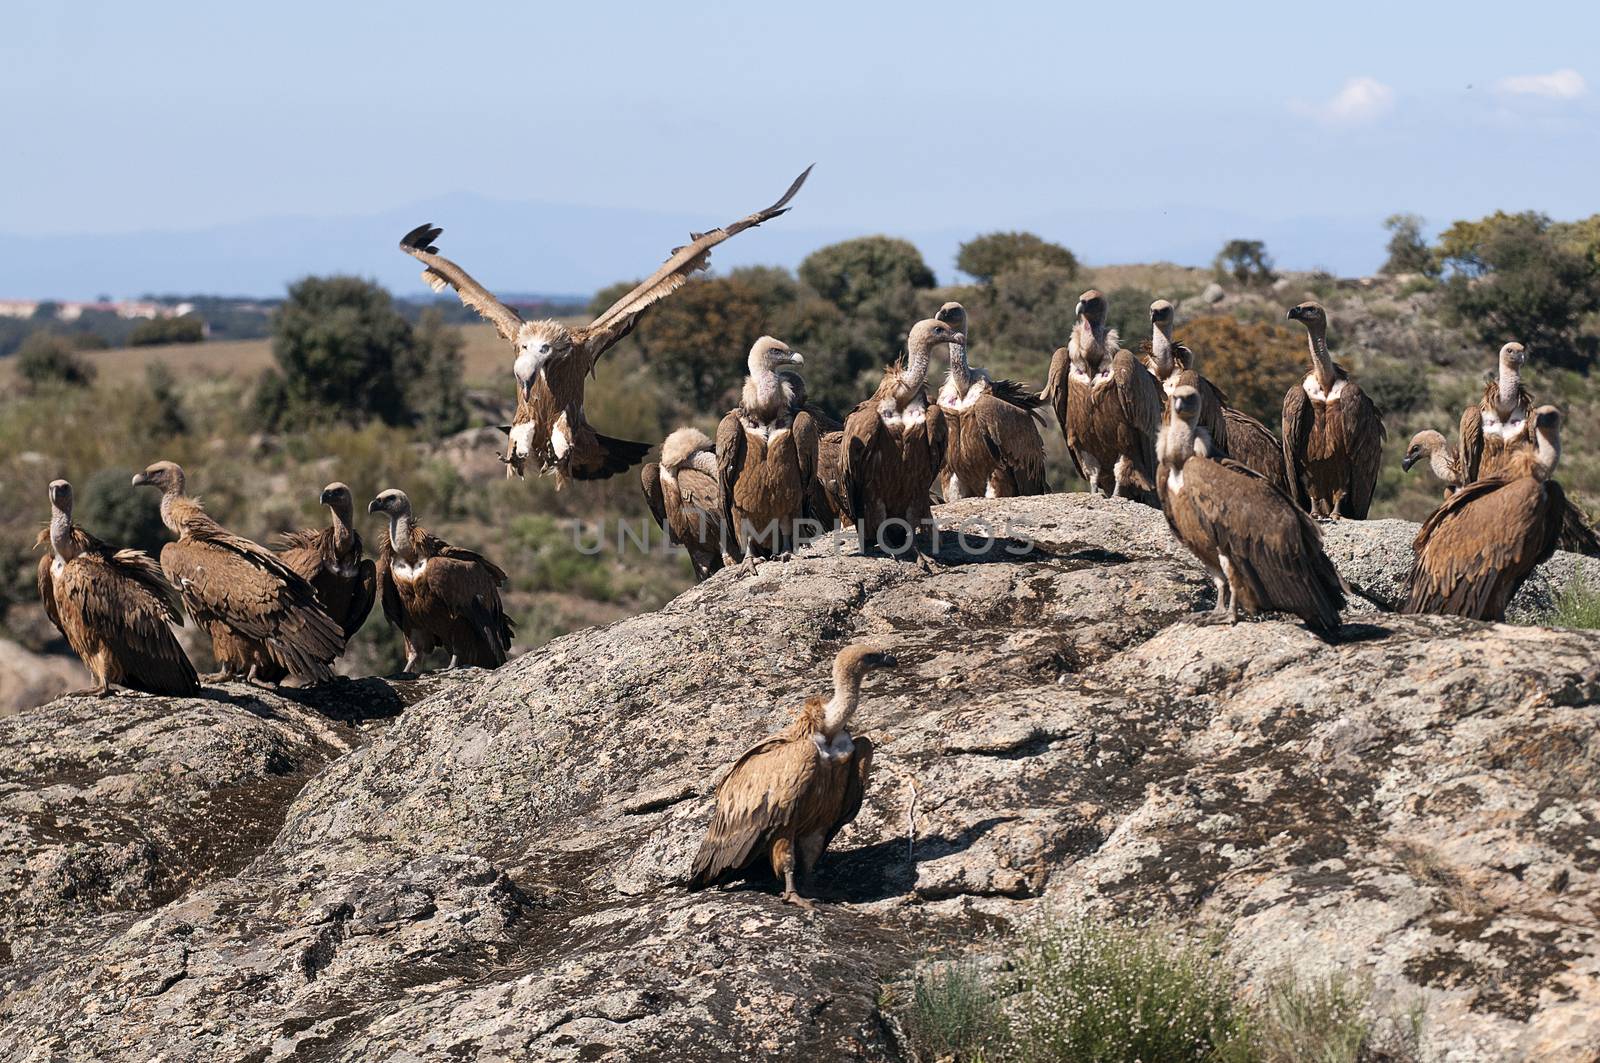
x: 1498, y: 427
x: 331, y: 560
x: 1332, y: 433
x: 766, y: 458
x: 683, y: 497
x: 438, y: 594
x: 783, y: 801
x: 1443, y: 461
x: 993, y: 447
x: 1263, y: 552
x: 892, y: 449
x: 264, y: 618
x: 113, y: 606
x: 552, y: 360
x: 1109, y: 407
x: 1484, y: 540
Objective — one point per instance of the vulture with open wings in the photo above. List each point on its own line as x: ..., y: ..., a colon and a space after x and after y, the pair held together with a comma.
x: 552, y: 360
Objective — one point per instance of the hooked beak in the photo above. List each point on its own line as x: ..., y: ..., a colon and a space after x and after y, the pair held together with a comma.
x: 1409, y: 460
x: 327, y: 498
x: 140, y: 479
x: 886, y: 660
x: 796, y: 358
x: 373, y: 507
x: 1294, y: 313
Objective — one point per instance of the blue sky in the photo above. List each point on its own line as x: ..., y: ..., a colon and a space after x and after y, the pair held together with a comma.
x: 921, y: 117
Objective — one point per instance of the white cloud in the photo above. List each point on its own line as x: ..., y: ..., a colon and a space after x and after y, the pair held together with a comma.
x: 1359, y: 100
x: 1564, y: 84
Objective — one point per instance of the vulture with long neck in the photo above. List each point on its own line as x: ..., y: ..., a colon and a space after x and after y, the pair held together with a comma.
x: 1234, y: 433
x: 993, y: 447
x: 1497, y: 430
x: 787, y: 796
x: 1332, y: 433
x: 1263, y: 552
x: 1431, y: 447
x: 1476, y: 549
x: 438, y: 594
x: 263, y: 617
x: 683, y: 496
x: 332, y: 561
x: 551, y: 360
x: 767, y: 457
x: 114, y: 607
x: 1108, y: 405
x: 892, y: 450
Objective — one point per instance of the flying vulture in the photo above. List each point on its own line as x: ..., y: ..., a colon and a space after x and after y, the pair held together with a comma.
x: 1496, y: 428
x: 993, y: 448
x: 892, y: 449
x: 767, y: 458
x: 331, y: 560
x: 113, y: 606
x: 552, y: 360
x: 1109, y: 407
x: 783, y: 801
x: 1484, y: 540
x: 438, y: 594
x: 1262, y: 551
x: 264, y: 618
x: 1332, y: 433
x: 683, y: 497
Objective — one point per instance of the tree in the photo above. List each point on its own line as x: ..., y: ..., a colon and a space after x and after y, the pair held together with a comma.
x: 855, y: 272
x: 698, y: 339
x: 159, y: 330
x: 985, y: 257
x: 1512, y: 278
x: 1408, y: 251
x: 1255, y: 364
x: 341, y: 348
x: 1030, y: 306
x: 50, y: 358
x: 1246, y: 261
x: 434, y: 390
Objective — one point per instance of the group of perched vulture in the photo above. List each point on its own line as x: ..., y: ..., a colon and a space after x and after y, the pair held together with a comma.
x: 1149, y: 428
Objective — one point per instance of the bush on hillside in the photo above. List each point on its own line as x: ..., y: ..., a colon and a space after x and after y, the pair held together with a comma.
x: 435, y: 391
x: 48, y: 358
x: 111, y: 510
x: 985, y: 257
x: 160, y: 330
x: 1030, y: 307
x: 1246, y: 262
x: 1254, y: 363
x: 1408, y: 251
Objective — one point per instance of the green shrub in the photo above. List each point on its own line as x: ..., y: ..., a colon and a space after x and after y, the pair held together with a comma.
x: 1396, y: 386
x: 985, y: 257
x: 1254, y: 363
x: 1246, y: 262
x: 1408, y: 251
x: 1578, y: 606
x: 954, y: 1012
x: 1329, y: 1021
x: 111, y: 509
x: 48, y: 358
x: 160, y: 330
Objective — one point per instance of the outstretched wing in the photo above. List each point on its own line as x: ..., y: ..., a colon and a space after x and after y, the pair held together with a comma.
x: 441, y: 272
x: 618, y: 318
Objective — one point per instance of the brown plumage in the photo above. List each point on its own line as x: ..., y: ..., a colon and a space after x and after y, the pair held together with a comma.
x: 1497, y: 430
x: 331, y: 560
x: 1264, y: 554
x: 263, y: 617
x: 993, y: 447
x: 767, y: 458
x: 1443, y: 461
x: 438, y: 594
x: 1172, y: 364
x: 684, y: 499
x: 1476, y: 549
x: 1332, y: 433
x: 1108, y: 405
x: 1253, y: 445
x: 892, y: 449
x: 113, y: 606
x: 787, y: 796
x: 551, y: 360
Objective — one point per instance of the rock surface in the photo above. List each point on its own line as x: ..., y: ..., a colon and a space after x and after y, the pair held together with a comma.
x: 495, y: 871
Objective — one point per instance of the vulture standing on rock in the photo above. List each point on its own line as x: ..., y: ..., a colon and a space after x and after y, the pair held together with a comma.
x: 892, y: 450
x: 552, y: 360
x: 767, y: 457
x: 993, y: 448
x: 113, y: 606
x: 1262, y: 551
x: 787, y: 796
x: 1498, y: 427
x: 331, y: 560
x: 1332, y: 433
x: 683, y: 497
x: 438, y: 594
x: 1109, y: 407
x: 264, y: 618
x: 1478, y: 547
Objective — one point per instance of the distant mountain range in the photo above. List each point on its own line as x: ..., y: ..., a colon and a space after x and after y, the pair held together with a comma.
x: 530, y: 247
